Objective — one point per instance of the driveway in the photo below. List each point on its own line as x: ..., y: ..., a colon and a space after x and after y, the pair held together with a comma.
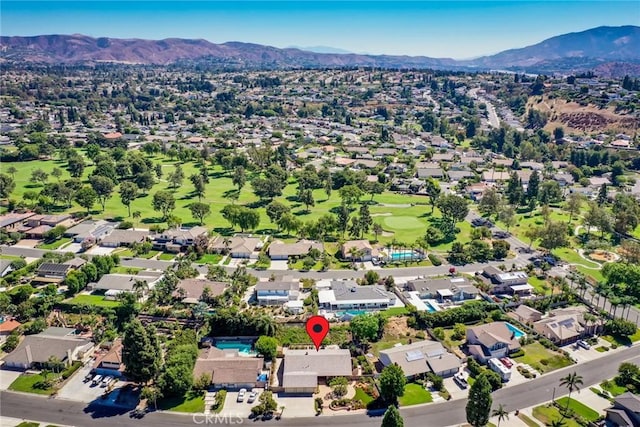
x: 234, y: 409
x: 76, y: 389
x: 279, y: 264
x: 296, y: 406
x: 7, y: 377
x: 100, y: 250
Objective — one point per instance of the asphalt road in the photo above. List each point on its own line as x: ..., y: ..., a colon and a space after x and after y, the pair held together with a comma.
x: 534, y: 392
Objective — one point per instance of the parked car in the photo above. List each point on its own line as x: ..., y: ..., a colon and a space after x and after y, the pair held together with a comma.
x: 584, y: 344
x: 105, y: 381
x: 506, y: 362
x: 252, y: 397
x: 460, y: 380
x: 88, y: 377
x: 241, y: 394
x: 96, y: 380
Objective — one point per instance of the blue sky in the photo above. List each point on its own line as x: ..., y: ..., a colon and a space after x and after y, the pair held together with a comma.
x: 456, y: 29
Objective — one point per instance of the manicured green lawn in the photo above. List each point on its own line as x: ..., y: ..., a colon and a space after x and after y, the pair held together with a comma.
x: 613, y: 388
x: 125, y: 270
x: 528, y: 421
x: 166, y: 257
x: 362, y: 396
x: 149, y: 254
x: 414, y: 394
x: 402, y: 222
x: 189, y: 403
x: 97, y: 300
x: 394, y: 311
x: 55, y: 244
x: 546, y: 414
x: 579, y: 408
x: 209, y: 259
x: 535, y: 352
x: 26, y: 383
x: 28, y: 424
x: 588, y: 268
x: 539, y: 285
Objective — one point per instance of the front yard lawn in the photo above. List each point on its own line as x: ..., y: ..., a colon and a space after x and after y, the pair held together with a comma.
x: 580, y: 409
x: 148, y: 255
x: 414, y: 394
x: 394, y: 311
x: 546, y: 414
x: 55, y: 244
x: 535, y: 353
x: 26, y: 383
x: 209, y: 259
x: 120, y: 269
x: 613, y: 388
x: 362, y: 396
x: 97, y: 300
x: 189, y: 403
x: 166, y: 256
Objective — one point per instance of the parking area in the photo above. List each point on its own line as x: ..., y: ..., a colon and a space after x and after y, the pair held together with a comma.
x: 7, y: 377
x: 296, y: 406
x: 76, y: 389
x: 583, y: 355
x: 235, y: 409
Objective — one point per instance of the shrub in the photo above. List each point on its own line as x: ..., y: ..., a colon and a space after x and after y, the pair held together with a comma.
x: 518, y: 353
x: 70, y: 370
x: 317, y: 403
x: 434, y: 260
x: 125, y: 225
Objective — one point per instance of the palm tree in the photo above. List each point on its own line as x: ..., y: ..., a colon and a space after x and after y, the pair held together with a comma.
x: 557, y: 423
x: 139, y: 288
x: 501, y: 413
x: 573, y: 382
x: 377, y: 230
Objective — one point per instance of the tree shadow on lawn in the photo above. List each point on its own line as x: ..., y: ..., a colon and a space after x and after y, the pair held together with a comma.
x: 258, y: 204
x: 152, y: 220
x: 217, y: 174
x: 224, y: 231
x: 300, y: 212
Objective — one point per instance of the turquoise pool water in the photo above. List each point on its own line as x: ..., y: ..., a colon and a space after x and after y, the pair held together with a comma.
x: 516, y: 332
x: 402, y: 255
x: 430, y: 308
x: 242, y: 347
x: 351, y: 313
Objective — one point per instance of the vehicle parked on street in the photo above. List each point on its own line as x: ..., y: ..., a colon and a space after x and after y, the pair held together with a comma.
x: 96, y: 380
x: 241, y: 394
x: 105, y: 381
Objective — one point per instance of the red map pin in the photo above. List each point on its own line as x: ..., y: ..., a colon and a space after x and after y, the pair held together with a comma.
x: 317, y: 328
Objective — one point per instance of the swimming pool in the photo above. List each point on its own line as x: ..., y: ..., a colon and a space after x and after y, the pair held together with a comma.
x: 430, y: 307
x: 352, y: 313
x: 242, y: 347
x: 399, y: 255
x: 517, y: 333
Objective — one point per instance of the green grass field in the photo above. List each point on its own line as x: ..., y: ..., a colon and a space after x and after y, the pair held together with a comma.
x: 26, y: 383
x: 362, y: 396
x: 97, y: 300
x: 55, y: 244
x: 535, y: 352
x: 405, y: 224
x: 209, y: 259
x: 414, y: 394
x: 190, y: 403
x: 579, y: 408
x: 546, y: 414
x: 613, y: 388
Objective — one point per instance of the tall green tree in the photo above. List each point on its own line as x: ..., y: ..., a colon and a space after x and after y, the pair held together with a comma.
x: 200, y: 211
x: 479, y: 403
x: 572, y: 382
x: 454, y: 209
x: 392, y: 418
x: 7, y: 185
x: 141, y: 353
x: 164, y: 202
x: 432, y: 189
x: 86, y: 197
x: 128, y: 193
x: 103, y: 187
x: 392, y: 381
x: 176, y: 177
x: 239, y: 178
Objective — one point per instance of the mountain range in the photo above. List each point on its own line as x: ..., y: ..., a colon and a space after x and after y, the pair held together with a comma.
x: 609, y: 49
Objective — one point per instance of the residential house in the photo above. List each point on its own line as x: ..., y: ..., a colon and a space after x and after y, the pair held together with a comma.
x: 447, y: 289
x: 423, y: 173
x: 5, y: 267
x: 61, y: 343
x: 358, y: 250
x: 567, y: 325
x: 89, y: 229
x: 277, y: 292
x: 420, y: 358
x: 495, y: 176
x: 512, y: 282
x: 348, y: 295
x: 302, y: 370
x: 282, y: 251
x: 114, y: 284
x: 190, y: 291
x: 491, y: 340
x: 7, y: 326
x: 119, y: 238
x: 109, y: 362
x: 178, y: 239
x: 49, y: 220
x: 236, y: 246
x: 49, y: 272
x: 14, y: 222
x: 525, y: 314
x: 229, y: 370
x: 625, y: 411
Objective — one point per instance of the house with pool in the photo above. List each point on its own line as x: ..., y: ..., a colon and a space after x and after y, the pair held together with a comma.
x: 347, y: 295
x: 443, y: 290
x: 230, y: 370
x: 493, y: 340
x: 507, y: 283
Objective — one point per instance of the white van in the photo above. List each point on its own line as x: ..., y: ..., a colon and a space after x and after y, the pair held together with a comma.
x: 96, y: 380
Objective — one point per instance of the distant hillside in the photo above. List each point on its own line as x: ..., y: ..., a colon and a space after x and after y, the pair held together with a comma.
x: 609, y: 49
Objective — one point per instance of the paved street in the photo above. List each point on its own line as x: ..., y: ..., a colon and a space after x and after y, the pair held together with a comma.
x: 443, y: 414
